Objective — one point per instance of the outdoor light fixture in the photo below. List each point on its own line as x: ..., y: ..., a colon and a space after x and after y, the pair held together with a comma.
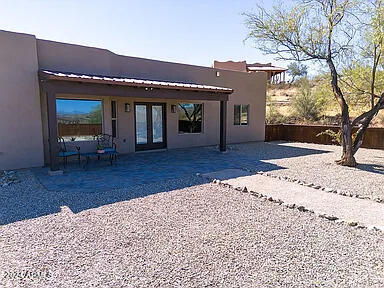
x: 217, y: 73
x: 173, y: 108
x: 127, y: 107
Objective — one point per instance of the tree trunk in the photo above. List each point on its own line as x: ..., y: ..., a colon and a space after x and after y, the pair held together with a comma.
x: 347, y: 157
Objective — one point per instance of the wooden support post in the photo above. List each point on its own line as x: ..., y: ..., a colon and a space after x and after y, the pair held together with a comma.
x: 223, y: 126
x: 52, y: 130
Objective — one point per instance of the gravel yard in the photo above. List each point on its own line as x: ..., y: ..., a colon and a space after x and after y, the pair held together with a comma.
x: 203, y: 235
x: 187, y: 233
x: 320, y: 168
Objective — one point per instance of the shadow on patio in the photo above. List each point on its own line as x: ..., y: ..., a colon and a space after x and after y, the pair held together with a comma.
x: 145, y: 168
x: 134, y: 176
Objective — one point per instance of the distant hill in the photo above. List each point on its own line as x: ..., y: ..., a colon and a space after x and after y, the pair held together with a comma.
x: 280, y: 96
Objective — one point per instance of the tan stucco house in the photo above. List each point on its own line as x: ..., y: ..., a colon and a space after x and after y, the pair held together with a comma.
x: 50, y: 90
x: 275, y: 75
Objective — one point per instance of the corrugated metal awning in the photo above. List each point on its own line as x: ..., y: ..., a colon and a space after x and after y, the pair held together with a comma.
x: 75, y: 77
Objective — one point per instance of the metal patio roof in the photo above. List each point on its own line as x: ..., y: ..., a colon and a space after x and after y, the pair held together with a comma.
x: 87, y: 78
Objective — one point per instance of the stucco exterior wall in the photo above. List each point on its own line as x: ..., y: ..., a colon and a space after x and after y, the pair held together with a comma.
x: 249, y: 88
x: 231, y: 65
x: 23, y: 115
x: 126, y: 125
x: 21, y: 142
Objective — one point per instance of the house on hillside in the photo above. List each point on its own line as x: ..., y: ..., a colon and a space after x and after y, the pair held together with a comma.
x: 275, y: 74
x: 50, y: 90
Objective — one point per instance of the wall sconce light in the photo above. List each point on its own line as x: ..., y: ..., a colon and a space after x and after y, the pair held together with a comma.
x: 127, y: 107
x: 173, y: 108
x: 217, y: 73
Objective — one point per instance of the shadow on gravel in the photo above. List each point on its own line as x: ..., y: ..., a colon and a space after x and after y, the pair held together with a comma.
x: 18, y: 203
x: 133, y: 176
x: 373, y: 168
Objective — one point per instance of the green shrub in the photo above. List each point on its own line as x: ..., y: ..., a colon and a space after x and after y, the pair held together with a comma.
x: 305, y: 104
x: 335, y: 136
x: 273, y: 115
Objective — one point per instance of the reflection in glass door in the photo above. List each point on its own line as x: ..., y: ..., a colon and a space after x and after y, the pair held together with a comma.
x: 157, y: 123
x: 141, y: 124
x: 150, y: 126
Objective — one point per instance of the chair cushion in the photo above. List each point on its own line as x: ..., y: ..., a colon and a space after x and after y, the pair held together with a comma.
x: 67, y: 153
x: 109, y: 149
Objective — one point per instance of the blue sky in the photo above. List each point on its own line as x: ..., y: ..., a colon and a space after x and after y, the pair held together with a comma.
x: 76, y: 106
x: 195, y: 32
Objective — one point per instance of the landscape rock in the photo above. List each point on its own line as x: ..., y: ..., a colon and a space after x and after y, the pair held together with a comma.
x: 301, y: 208
x: 8, y: 178
x: 328, y: 217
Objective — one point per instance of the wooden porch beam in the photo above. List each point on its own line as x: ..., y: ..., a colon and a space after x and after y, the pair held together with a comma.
x: 52, y: 130
x: 223, y: 126
x: 63, y: 87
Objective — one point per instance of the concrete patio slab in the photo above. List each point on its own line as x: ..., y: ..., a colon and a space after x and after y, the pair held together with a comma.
x: 146, y: 168
x: 352, y: 210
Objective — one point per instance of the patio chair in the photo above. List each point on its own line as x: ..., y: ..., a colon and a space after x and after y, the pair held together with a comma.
x: 107, y: 142
x: 66, y: 151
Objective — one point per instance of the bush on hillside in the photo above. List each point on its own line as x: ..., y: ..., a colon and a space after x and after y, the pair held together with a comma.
x: 305, y: 104
x: 274, y: 116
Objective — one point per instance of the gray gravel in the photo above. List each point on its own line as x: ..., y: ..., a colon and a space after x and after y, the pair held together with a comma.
x: 320, y: 169
x: 201, y: 236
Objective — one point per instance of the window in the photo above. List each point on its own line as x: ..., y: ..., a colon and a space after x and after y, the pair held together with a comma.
x: 79, y: 119
x: 190, y: 118
x: 114, y: 118
x: 241, y: 114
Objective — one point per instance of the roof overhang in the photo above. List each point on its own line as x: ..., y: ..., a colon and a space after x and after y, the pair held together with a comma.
x: 73, y: 83
x: 267, y: 69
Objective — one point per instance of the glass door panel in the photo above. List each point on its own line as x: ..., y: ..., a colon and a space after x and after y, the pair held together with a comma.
x: 141, y: 124
x: 157, y: 123
x: 150, y: 126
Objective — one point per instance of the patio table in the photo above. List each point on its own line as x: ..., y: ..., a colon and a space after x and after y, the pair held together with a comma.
x: 111, y: 153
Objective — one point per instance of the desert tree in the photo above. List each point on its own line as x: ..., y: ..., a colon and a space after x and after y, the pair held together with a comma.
x: 330, y: 32
x: 364, y: 76
x: 297, y: 69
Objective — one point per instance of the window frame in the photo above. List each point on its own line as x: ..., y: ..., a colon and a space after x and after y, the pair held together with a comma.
x: 202, y: 119
x: 114, y: 119
x: 83, y: 99
x: 240, y: 120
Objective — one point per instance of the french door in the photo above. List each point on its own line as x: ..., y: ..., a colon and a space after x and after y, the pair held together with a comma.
x: 150, y: 126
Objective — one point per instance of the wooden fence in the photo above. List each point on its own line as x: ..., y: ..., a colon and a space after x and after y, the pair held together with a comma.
x: 373, y: 137
x: 79, y: 129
